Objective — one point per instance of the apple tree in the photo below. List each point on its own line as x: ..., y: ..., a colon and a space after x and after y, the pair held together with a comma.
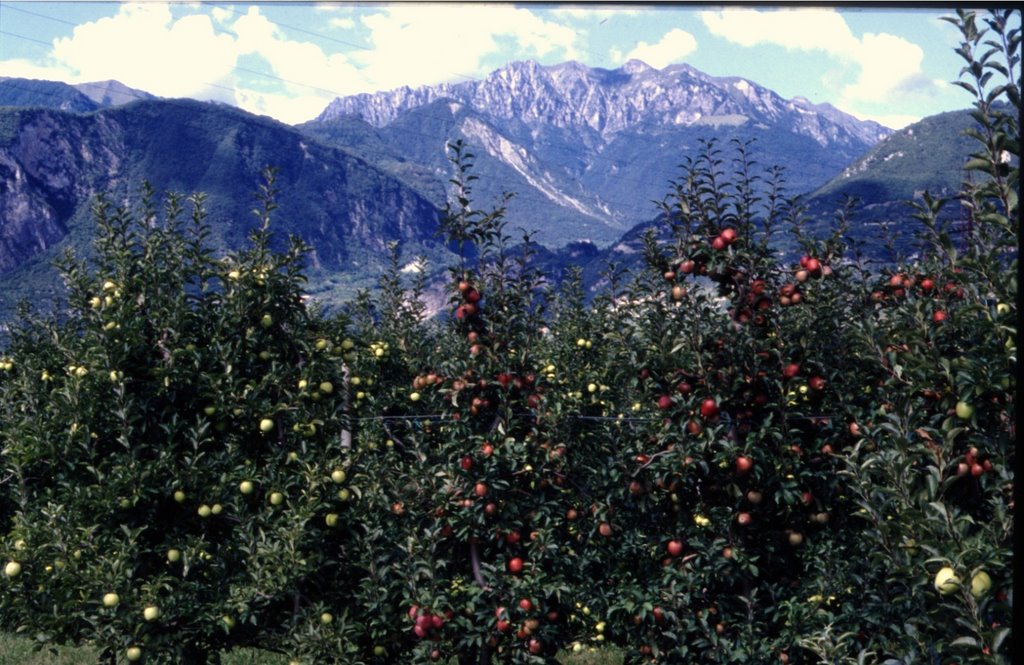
x: 174, y: 443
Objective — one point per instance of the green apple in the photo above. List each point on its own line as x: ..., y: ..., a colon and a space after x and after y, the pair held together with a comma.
x: 20, y: 545
x: 204, y: 510
x: 964, y: 411
x: 111, y: 599
x: 173, y: 555
x: 133, y: 654
x: 216, y: 509
x: 179, y: 496
x: 338, y: 475
x: 229, y: 621
x: 414, y: 397
x: 326, y: 387
x: 326, y: 618
x: 946, y: 581
x: 209, y: 410
x: 344, y: 494
x: 12, y: 569
x: 379, y: 651
x: 151, y: 613
x: 276, y: 498
x: 981, y: 583
x: 266, y: 425
x: 267, y: 321
x: 245, y: 487
x: 331, y: 519
x: 1002, y: 308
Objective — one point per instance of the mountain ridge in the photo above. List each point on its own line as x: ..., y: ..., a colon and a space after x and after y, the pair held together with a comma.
x: 588, y: 149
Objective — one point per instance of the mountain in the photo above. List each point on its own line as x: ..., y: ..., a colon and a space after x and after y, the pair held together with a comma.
x: 925, y: 156
x: 928, y: 155
x: 45, y: 94
x: 77, y: 98
x: 587, y: 150
x: 52, y: 163
x: 111, y: 93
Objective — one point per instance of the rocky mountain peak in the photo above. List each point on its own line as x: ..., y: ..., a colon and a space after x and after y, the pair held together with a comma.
x: 572, y: 95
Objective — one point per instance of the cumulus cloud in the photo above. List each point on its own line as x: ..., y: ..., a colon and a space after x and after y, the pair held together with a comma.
x: 886, y: 68
x: 670, y: 49
x: 416, y: 45
x: 804, y: 28
x: 143, y: 47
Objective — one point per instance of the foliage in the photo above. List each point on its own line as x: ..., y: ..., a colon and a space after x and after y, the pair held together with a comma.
x: 721, y: 458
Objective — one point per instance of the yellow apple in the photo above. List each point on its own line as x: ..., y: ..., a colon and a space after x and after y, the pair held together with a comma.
x: 338, y: 475
x: 133, y: 654
x: 12, y: 569
x: 111, y: 599
x: 266, y: 425
x: 981, y: 583
x: 946, y: 581
x: 151, y: 613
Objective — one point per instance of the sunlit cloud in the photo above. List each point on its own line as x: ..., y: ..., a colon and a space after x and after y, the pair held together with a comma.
x: 415, y: 45
x: 670, y: 49
x: 885, y: 68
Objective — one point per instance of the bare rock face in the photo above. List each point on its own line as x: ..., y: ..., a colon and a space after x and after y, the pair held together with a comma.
x: 48, y: 168
x: 587, y: 150
x: 53, y: 164
x: 636, y: 95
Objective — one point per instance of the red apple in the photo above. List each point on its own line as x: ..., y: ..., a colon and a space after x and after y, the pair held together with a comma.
x: 744, y: 465
x: 709, y: 408
x: 675, y: 547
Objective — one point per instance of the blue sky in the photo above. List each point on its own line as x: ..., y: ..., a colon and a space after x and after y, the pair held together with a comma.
x: 288, y: 60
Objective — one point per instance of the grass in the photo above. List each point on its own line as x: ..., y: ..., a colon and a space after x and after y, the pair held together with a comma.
x: 16, y: 650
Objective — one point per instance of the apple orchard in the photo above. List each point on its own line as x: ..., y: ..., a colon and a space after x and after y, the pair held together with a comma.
x: 725, y: 456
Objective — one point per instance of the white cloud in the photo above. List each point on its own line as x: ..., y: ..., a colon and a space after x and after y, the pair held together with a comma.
x: 142, y: 47
x: 670, y: 49
x: 416, y: 45
x: 29, y: 70
x: 799, y: 29
x: 885, y: 62
x: 887, y: 68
